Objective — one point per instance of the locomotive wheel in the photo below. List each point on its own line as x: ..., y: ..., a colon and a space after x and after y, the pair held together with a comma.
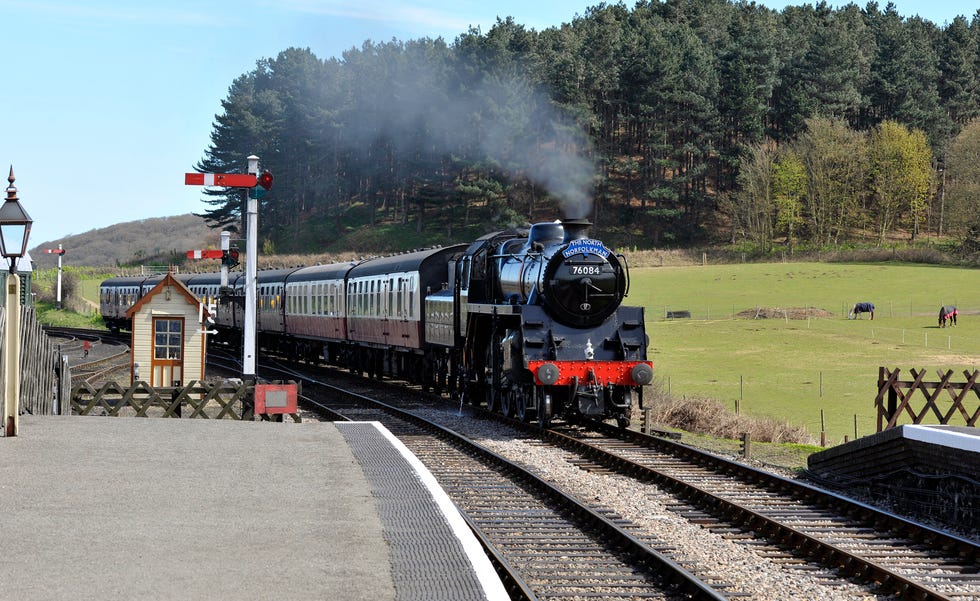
x: 442, y: 374
x: 490, y: 381
x: 543, y: 404
x: 525, y: 395
x: 493, y: 402
x: 507, y: 402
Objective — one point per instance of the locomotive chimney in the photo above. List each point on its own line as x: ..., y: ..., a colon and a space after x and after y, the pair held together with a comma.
x: 576, y: 229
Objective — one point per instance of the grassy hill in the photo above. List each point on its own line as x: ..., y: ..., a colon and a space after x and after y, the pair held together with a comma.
x: 156, y: 241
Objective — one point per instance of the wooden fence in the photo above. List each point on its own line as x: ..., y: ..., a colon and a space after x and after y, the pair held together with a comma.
x: 227, y: 399
x: 895, y: 398
x: 45, y: 377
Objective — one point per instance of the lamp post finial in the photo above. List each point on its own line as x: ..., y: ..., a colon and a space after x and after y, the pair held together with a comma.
x: 11, y: 189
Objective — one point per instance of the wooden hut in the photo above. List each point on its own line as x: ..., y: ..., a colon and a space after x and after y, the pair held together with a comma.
x: 168, y: 346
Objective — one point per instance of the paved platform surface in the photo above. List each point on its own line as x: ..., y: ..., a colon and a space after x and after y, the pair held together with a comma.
x: 132, y: 508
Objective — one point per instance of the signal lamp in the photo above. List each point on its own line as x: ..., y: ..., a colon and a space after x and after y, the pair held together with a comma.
x: 265, y: 180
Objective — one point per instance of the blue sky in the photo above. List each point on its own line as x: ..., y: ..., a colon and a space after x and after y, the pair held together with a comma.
x: 106, y: 104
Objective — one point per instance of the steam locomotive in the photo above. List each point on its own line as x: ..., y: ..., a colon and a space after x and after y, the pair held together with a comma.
x: 528, y: 322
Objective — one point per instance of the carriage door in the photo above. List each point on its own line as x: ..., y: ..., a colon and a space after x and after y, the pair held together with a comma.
x: 168, y: 351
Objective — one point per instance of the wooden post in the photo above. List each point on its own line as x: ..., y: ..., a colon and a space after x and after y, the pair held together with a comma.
x: 823, y: 429
x: 746, y: 445
x: 892, y: 408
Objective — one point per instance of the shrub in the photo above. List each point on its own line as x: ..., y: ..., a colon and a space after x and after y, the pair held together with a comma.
x: 707, y: 416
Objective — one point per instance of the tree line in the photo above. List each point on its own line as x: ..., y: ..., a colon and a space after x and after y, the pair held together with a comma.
x: 665, y: 123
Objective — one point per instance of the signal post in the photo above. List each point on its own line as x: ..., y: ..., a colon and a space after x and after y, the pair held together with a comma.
x: 248, y: 181
x: 60, y: 252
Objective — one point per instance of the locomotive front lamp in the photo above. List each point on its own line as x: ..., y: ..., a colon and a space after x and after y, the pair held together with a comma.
x: 15, y: 226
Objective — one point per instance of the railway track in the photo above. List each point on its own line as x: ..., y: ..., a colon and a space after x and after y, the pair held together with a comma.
x: 800, y: 526
x: 544, y: 542
x: 108, y: 357
x: 858, y: 541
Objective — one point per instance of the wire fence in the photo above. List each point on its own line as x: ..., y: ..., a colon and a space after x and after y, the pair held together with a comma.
x: 913, y: 325
x: 889, y: 309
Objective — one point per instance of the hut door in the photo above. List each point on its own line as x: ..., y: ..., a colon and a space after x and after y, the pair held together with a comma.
x: 168, y: 351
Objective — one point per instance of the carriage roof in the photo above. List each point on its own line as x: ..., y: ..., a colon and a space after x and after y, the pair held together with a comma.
x: 412, y: 261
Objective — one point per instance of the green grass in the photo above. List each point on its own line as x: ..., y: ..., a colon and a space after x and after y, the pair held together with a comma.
x: 48, y: 315
x: 89, y: 289
x: 792, y: 369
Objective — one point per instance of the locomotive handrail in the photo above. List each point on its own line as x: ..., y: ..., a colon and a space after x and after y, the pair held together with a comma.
x: 626, y: 269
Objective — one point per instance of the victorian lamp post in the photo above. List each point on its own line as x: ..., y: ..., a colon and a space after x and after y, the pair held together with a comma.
x: 15, y: 228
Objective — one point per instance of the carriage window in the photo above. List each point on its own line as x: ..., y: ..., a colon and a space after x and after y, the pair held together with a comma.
x: 401, y: 297
x: 411, y: 290
x: 167, y: 338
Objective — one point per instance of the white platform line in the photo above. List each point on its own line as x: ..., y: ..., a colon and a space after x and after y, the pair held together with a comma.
x: 492, y: 586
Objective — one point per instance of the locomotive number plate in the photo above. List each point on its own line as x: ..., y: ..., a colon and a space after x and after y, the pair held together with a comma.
x: 585, y: 269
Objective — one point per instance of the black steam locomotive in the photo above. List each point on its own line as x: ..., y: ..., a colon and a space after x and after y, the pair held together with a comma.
x: 528, y: 322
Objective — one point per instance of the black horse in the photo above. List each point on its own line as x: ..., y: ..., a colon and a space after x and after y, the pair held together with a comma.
x: 862, y: 308
x: 947, y: 314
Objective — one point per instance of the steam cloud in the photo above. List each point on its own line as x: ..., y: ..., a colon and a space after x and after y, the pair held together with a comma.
x: 501, y: 119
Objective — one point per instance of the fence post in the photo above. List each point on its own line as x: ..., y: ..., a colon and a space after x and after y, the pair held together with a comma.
x: 746, y: 445
x: 823, y: 429
x: 892, y: 403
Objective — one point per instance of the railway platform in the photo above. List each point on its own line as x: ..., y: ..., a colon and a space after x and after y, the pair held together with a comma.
x: 929, y: 471
x: 127, y: 508
x: 934, y: 449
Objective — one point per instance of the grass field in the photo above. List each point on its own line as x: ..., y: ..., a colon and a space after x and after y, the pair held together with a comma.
x: 791, y: 369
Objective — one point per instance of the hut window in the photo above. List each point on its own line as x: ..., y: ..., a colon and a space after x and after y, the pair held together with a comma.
x: 167, y: 338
